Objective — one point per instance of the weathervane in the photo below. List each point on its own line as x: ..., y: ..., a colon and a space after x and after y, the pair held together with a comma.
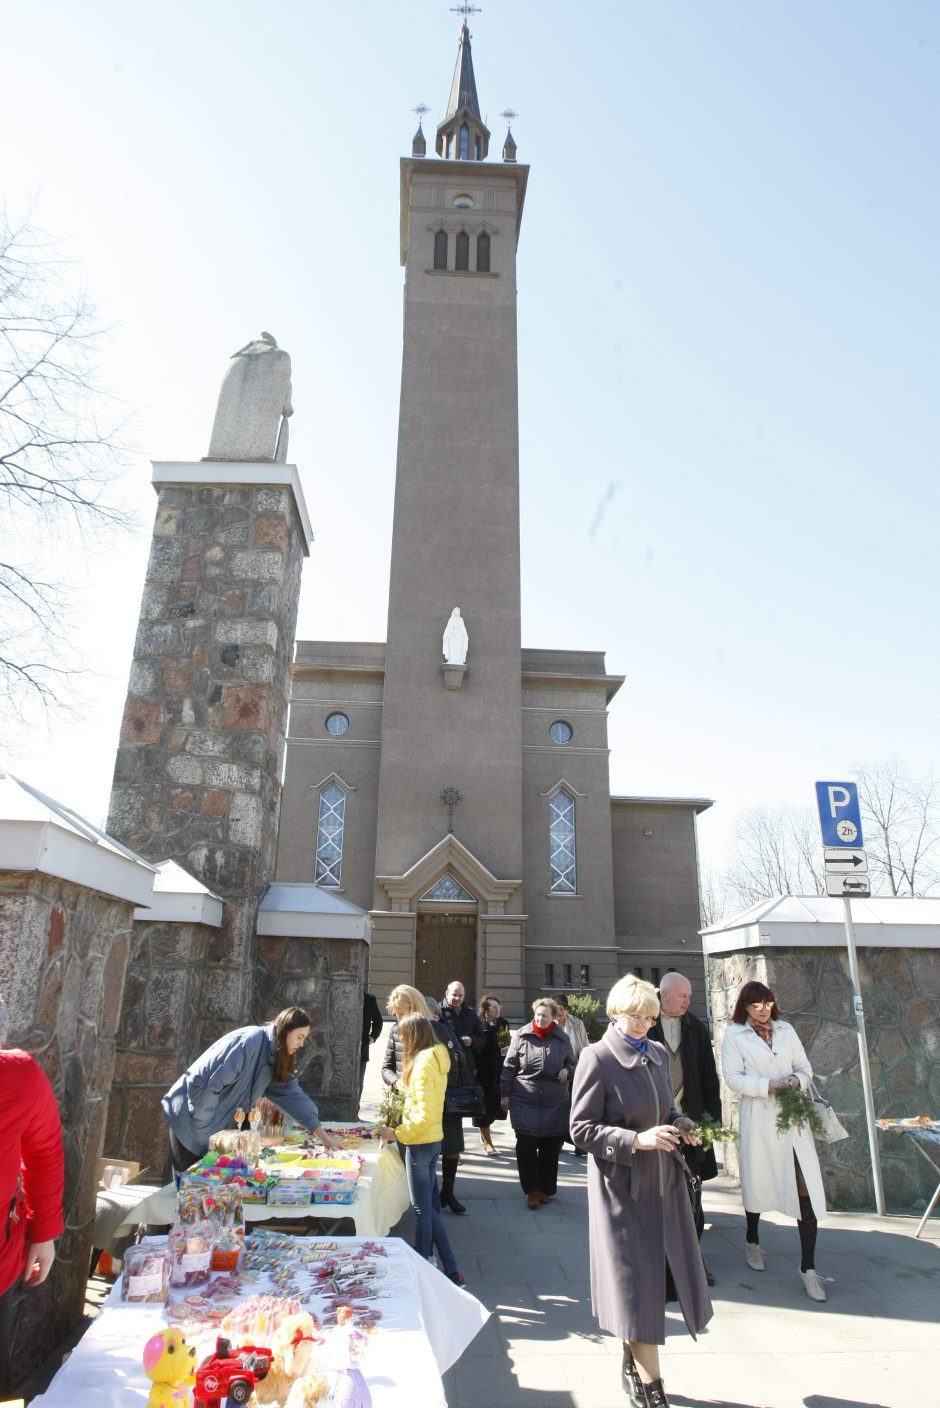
x: 451, y: 799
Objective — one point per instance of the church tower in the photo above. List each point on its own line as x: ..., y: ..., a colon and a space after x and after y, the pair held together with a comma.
x: 455, y: 542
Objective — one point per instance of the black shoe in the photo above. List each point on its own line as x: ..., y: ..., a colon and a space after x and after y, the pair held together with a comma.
x: 632, y: 1383
x: 448, y: 1200
x: 656, y: 1395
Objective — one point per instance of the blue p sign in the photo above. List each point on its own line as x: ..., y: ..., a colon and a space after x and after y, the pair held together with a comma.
x: 839, y: 818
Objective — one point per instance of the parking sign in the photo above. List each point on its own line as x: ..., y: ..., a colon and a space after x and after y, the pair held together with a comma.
x: 839, y: 817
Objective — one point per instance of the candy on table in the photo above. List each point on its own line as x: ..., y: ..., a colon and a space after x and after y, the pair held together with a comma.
x: 259, y: 1315
x: 373, y: 1249
x: 145, y: 1277
x: 239, y: 1117
x: 190, y: 1251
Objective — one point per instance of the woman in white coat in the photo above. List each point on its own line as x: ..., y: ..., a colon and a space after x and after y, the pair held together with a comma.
x: 760, y: 1055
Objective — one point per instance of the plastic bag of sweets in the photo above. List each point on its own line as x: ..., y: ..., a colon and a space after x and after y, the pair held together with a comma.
x: 223, y: 1208
x: 191, y: 1245
x: 145, y: 1277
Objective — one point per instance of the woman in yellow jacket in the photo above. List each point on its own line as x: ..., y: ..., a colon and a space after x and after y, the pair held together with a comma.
x: 425, y: 1064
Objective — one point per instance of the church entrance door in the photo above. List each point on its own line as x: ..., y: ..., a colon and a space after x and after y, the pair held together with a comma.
x: 445, y: 949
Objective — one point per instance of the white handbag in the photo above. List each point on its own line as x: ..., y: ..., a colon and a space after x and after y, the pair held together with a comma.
x: 833, y: 1132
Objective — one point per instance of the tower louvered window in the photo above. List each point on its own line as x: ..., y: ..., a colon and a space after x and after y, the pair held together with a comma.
x: 561, y: 845
x: 331, y: 824
x: 440, y: 250
x: 464, y: 142
x: 483, y: 253
x: 462, y: 251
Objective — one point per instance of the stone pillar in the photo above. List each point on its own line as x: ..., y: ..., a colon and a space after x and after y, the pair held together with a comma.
x: 197, y: 777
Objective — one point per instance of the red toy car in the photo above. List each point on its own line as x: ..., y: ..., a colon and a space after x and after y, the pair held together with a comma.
x: 229, y: 1375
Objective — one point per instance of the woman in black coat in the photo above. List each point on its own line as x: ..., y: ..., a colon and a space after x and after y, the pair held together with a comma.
x: 402, y: 1001
x: 534, y: 1088
x: 490, y: 1066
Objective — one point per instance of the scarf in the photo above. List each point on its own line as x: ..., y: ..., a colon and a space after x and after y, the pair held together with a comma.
x: 765, y: 1030
x: 638, y: 1043
x: 543, y: 1032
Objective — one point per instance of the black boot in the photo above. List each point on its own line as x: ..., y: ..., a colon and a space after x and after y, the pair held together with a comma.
x: 448, y: 1200
x: 656, y: 1395
x: 630, y: 1377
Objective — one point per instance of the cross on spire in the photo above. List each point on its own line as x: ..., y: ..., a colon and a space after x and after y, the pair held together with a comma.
x: 466, y: 10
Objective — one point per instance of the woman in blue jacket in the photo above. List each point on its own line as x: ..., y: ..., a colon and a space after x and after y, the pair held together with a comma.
x: 233, y: 1075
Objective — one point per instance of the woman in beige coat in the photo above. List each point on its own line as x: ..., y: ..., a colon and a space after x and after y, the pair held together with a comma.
x: 779, y: 1169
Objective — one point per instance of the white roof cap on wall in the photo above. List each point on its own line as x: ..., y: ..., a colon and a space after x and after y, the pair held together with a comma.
x: 179, y: 898
x: 309, y: 912
x: 38, y: 833
x: 814, y: 921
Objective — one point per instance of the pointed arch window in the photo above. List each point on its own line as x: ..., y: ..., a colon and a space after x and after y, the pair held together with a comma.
x: 440, y: 250
x: 483, y: 253
x: 462, y: 251
x: 563, y: 878
x: 464, y: 142
x: 331, y: 824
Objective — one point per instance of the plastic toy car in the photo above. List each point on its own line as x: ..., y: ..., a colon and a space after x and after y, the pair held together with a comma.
x: 230, y: 1375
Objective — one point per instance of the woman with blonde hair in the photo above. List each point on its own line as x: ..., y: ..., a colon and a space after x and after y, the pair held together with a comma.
x: 403, y: 1001
x: 425, y: 1065
x: 640, y: 1221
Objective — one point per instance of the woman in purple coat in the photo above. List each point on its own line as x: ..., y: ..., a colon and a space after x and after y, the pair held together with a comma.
x: 639, y: 1213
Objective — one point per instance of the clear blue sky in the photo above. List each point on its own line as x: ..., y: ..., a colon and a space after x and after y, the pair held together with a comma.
x: 728, y: 314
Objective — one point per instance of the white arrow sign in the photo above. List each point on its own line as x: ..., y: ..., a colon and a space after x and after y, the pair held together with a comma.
x: 839, y: 862
x: 853, y: 886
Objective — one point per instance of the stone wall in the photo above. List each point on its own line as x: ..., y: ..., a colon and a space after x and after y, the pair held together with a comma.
x: 158, y: 1036
x: 327, y: 978
x: 63, y: 958
x: 901, y: 992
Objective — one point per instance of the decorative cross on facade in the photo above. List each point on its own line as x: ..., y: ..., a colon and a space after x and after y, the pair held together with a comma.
x: 451, y: 799
x: 421, y: 109
x: 466, y: 10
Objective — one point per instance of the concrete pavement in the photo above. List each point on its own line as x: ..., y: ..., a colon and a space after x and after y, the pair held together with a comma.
x: 874, y: 1344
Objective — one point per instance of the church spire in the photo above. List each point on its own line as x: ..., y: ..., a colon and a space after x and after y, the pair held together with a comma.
x: 463, y: 135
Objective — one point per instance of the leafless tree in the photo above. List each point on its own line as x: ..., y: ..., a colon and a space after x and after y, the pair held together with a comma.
x: 57, y: 462
x: 773, y: 851
x: 901, y: 828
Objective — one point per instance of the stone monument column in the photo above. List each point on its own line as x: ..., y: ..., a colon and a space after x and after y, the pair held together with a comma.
x: 197, y: 777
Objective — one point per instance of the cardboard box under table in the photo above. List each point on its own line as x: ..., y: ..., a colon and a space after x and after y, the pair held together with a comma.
x: 380, y: 1198
x: 426, y: 1324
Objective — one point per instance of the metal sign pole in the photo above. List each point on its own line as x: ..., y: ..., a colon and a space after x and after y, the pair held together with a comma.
x: 863, y: 1059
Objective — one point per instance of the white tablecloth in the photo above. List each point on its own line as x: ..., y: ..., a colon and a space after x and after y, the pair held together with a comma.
x: 426, y: 1325
x: 381, y: 1198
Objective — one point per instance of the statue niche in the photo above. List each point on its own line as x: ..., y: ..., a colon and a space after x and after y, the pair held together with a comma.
x: 254, y: 405
x: 456, y: 644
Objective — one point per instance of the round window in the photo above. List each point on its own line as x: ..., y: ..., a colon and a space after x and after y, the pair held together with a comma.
x: 560, y: 732
x: 337, y: 724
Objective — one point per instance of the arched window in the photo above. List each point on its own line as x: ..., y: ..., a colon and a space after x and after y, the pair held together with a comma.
x: 440, y: 250
x: 464, y: 142
x: 483, y: 253
x: 563, y: 878
x: 331, y: 823
x: 462, y: 252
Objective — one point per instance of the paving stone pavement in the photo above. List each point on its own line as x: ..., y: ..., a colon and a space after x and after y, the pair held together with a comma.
x: 874, y: 1344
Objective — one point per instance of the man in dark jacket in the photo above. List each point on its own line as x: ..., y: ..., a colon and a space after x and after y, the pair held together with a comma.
x: 371, y: 1028
x: 692, y: 1074
x: 462, y: 1019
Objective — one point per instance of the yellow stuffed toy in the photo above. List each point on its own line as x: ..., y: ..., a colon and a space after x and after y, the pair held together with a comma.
x: 171, y: 1364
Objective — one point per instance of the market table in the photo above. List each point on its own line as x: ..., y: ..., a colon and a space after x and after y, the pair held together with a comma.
x: 922, y: 1131
x: 381, y: 1197
x: 426, y: 1324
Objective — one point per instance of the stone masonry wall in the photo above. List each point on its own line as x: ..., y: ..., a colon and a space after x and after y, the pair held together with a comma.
x: 327, y: 978
x: 63, y: 957
x: 901, y: 992
x: 197, y: 776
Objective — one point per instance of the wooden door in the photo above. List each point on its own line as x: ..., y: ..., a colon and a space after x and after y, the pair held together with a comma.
x: 445, y: 950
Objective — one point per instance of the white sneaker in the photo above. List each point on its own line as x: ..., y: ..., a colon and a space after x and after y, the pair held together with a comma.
x: 755, y: 1257
x: 814, y: 1287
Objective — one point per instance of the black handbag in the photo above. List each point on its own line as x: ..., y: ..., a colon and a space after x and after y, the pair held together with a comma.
x: 465, y: 1100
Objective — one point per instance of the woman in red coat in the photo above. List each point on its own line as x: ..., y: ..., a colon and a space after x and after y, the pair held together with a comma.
x: 31, y: 1178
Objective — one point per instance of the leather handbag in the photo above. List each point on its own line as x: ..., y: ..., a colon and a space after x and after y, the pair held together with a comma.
x: 465, y: 1100
x: 833, y: 1131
